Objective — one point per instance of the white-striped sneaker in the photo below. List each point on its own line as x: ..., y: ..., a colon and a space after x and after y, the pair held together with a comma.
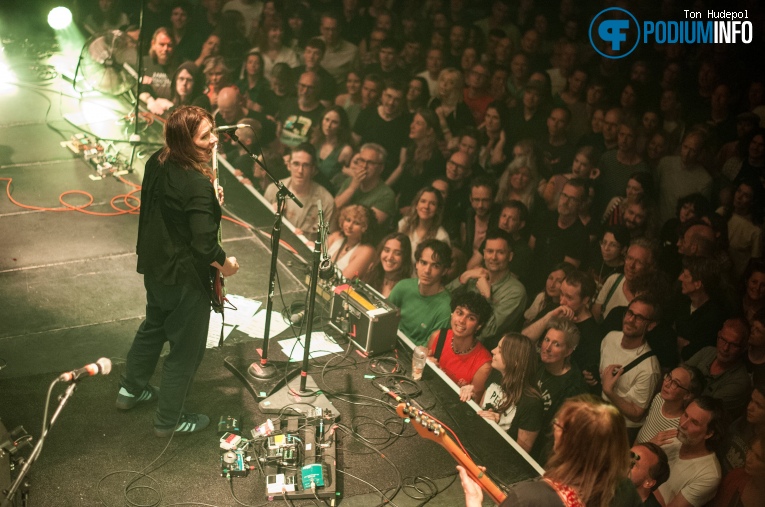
x: 189, y: 423
x: 126, y: 401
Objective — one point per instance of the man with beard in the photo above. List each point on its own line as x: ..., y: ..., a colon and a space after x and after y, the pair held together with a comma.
x: 156, y: 86
x: 631, y: 389
x: 694, y: 468
x: 494, y: 281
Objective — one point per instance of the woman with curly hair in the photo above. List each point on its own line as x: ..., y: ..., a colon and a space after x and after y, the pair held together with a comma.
x: 272, y: 47
x: 519, y: 183
x: 332, y: 141
x: 349, y: 248
x: 424, y: 218
x: 392, y: 263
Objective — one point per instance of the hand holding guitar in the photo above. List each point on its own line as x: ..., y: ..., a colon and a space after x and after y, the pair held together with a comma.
x: 230, y: 266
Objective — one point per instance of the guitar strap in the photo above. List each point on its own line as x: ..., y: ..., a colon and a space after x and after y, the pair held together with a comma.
x: 638, y: 360
x: 441, y: 342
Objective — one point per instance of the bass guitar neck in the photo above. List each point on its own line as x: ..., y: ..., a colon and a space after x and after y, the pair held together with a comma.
x: 432, y: 429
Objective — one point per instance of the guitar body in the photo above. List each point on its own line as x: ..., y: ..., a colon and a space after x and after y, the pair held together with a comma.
x: 218, y: 291
x: 432, y: 429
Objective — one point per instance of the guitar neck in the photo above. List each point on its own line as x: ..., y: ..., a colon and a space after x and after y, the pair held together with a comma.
x: 432, y: 429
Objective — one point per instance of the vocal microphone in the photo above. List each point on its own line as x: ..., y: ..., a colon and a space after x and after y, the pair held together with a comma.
x: 102, y: 366
x: 298, y: 317
x: 226, y: 128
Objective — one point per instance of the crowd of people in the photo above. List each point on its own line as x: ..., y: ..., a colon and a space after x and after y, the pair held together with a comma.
x: 550, y: 221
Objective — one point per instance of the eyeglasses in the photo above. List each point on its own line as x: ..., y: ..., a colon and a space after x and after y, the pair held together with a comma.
x: 730, y: 344
x: 570, y: 198
x: 558, y: 425
x: 638, y: 318
x: 365, y: 163
x: 674, y: 383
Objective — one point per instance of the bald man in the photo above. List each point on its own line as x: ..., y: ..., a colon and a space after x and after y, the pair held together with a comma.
x: 231, y: 110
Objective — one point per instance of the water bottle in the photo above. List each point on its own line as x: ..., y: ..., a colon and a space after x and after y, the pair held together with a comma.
x: 419, y: 356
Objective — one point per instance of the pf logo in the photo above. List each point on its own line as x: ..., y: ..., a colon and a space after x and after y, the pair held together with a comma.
x: 614, y: 32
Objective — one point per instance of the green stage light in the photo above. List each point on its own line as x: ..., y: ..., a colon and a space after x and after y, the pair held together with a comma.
x: 59, y: 18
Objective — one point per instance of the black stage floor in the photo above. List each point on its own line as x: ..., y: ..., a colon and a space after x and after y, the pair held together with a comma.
x: 69, y: 294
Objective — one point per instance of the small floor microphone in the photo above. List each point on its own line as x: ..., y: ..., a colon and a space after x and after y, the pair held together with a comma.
x: 102, y: 366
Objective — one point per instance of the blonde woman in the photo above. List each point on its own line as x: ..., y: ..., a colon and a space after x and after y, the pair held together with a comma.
x: 453, y: 113
x: 424, y: 219
x: 349, y: 248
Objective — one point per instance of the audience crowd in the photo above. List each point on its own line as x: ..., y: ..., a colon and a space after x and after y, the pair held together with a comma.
x: 500, y: 180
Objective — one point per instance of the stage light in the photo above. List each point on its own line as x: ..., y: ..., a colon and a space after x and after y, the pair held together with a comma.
x: 59, y: 18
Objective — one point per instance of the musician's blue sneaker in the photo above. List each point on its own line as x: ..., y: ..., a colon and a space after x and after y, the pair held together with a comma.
x: 189, y: 423
x: 126, y: 400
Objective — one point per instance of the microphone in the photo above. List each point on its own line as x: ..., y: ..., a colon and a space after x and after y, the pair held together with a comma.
x: 298, y: 317
x: 103, y: 366
x: 226, y: 128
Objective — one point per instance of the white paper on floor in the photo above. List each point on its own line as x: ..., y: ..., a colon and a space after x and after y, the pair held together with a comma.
x: 321, y: 345
x: 256, y: 325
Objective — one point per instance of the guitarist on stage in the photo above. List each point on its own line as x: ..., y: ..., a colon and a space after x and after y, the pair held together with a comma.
x: 178, y: 254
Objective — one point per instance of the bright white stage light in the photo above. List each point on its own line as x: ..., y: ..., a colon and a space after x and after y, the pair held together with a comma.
x: 59, y: 18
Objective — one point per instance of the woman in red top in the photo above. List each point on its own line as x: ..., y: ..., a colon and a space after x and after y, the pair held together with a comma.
x: 462, y: 357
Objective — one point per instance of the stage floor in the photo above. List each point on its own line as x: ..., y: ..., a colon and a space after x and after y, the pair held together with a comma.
x: 69, y: 294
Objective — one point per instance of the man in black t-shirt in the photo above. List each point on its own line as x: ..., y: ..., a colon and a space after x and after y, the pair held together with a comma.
x: 386, y: 125
x: 561, y: 236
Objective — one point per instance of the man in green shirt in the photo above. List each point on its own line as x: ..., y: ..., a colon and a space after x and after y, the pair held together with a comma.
x: 424, y: 302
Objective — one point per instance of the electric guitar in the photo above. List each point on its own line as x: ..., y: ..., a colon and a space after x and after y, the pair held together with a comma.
x: 432, y: 429
x: 218, y: 285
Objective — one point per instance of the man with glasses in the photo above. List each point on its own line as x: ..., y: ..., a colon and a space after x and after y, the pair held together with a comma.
x: 341, y: 56
x: 365, y: 186
x: 301, y: 114
x: 476, y: 94
x: 424, y: 302
x: 630, y: 389
x: 386, y: 125
x: 618, y: 288
x: 649, y: 470
x: 724, y: 368
x: 480, y: 216
x: 680, y: 386
x: 302, y: 167
x: 561, y: 237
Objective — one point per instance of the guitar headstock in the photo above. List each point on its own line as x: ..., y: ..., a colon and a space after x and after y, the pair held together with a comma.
x: 423, y: 423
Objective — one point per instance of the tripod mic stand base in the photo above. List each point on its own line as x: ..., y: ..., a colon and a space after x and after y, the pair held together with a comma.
x: 260, y: 388
x: 289, y: 398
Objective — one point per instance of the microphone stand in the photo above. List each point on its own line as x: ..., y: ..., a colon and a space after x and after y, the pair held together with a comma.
x: 308, y: 394
x: 8, y: 501
x: 263, y: 370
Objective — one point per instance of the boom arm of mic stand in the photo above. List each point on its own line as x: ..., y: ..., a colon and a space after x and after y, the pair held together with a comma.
x: 7, y: 502
x: 282, y: 189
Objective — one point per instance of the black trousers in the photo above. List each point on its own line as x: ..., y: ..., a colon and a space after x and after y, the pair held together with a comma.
x: 180, y: 315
